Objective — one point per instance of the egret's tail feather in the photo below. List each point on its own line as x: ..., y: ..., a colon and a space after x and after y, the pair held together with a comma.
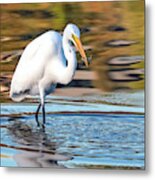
x: 18, y: 96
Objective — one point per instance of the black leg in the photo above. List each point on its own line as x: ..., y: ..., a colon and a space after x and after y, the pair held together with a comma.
x: 44, y: 118
x: 36, y: 115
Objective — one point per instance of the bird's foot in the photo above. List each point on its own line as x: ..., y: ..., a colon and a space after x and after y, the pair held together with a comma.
x: 43, y: 126
x: 38, y: 124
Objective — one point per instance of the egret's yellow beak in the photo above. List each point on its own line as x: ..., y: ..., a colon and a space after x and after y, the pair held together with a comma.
x: 79, y: 47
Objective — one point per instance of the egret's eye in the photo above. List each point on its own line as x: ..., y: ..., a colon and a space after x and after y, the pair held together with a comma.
x: 71, y: 43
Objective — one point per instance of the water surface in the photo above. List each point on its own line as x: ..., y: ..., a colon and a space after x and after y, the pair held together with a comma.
x: 88, y: 135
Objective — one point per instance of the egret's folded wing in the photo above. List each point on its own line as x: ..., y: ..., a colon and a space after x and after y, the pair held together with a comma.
x: 33, y: 62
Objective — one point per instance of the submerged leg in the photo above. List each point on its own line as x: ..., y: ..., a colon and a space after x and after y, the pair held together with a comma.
x: 36, y: 115
x: 44, y: 116
x: 42, y: 84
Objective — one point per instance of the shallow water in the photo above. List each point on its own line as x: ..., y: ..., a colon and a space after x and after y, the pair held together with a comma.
x: 83, y: 135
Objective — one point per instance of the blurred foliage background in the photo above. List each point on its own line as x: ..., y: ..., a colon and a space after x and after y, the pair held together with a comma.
x: 112, y: 34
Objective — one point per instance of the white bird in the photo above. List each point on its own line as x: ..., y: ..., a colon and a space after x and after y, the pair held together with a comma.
x: 47, y: 60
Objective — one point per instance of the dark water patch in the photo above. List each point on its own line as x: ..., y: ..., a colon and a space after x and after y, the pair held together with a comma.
x: 40, y: 14
x: 25, y: 37
x: 33, y: 35
x: 116, y: 28
x: 85, y: 30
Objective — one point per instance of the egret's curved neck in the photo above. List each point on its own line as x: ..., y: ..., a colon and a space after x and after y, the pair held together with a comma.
x: 70, y: 56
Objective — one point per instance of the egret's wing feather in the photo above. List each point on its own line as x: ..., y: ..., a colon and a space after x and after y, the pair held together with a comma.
x: 46, y: 41
x: 33, y: 62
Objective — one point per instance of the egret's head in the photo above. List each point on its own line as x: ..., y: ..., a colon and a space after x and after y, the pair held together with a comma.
x: 73, y: 34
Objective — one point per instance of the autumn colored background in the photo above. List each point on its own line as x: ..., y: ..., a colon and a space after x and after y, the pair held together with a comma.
x: 112, y: 32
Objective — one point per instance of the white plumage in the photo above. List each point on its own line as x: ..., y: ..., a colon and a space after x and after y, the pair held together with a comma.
x: 47, y: 60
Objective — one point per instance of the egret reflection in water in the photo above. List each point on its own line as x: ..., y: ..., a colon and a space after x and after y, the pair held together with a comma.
x: 35, y: 148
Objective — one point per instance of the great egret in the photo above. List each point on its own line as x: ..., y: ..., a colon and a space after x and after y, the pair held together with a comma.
x: 47, y: 60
